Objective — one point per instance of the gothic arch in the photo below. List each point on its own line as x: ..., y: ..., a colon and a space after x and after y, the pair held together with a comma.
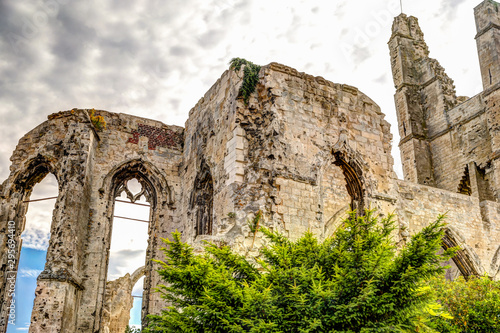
x: 157, y: 192
x: 138, y: 273
x: 35, y: 171
x: 201, y: 200
x: 15, y: 207
x: 22, y: 185
x: 352, y: 169
x: 465, y: 259
x: 150, y: 177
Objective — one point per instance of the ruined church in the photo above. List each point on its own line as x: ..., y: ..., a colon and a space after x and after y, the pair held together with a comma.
x: 302, y: 150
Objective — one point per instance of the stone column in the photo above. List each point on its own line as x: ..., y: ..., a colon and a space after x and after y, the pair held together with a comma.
x: 59, y: 285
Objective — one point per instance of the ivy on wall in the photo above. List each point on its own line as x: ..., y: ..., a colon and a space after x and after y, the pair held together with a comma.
x: 250, y: 76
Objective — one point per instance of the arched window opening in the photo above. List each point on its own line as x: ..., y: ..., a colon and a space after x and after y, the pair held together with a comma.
x: 462, y: 260
x: 202, y: 201
x: 336, y: 201
x: 129, y: 235
x: 137, y: 194
x: 40, y: 201
x: 129, y: 242
x: 352, y: 173
x: 453, y: 272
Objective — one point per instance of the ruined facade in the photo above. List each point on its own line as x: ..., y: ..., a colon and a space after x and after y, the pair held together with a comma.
x: 303, y: 150
x: 118, y: 302
x: 450, y: 142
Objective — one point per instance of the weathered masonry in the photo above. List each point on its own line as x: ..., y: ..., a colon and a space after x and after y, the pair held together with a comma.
x: 449, y: 142
x: 302, y: 151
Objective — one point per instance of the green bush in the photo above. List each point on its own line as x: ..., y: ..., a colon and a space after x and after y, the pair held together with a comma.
x: 354, y: 281
x: 473, y: 304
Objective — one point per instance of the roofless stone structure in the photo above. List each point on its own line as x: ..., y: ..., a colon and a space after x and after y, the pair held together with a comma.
x: 302, y: 151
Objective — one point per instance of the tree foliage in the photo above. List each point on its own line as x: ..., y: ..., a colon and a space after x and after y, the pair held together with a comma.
x: 474, y: 305
x: 354, y: 281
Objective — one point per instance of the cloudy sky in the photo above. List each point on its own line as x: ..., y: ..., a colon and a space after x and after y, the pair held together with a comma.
x: 157, y: 58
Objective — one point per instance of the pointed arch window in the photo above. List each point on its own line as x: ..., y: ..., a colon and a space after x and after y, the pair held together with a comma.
x: 463, y: 258
x: 40, y: 192
x: 352, y: 173
x: 135, y: 199
x: 202, y: 201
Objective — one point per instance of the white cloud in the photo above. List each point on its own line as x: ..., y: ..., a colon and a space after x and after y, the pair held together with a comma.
x: 29, y: 273
x: 156, y: 59
x: 36, y: 234
x: 129, y: 239
x: 37, y: 239
x: 22, y: 328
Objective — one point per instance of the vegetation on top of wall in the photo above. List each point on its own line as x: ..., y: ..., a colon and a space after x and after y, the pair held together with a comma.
x: 354, y: 281
x: 250, y: 76
x: 98, y: 121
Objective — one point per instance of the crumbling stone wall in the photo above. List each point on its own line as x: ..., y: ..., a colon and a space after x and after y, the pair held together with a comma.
x: 288, y: 153
x: 417, y: 205
x: 302, y: 151
x: 63, y: 147
x: 119, y: 158
x: 118, y: 302
x: 450, y: 142
x: 442, y: 135
x: 90, y: 167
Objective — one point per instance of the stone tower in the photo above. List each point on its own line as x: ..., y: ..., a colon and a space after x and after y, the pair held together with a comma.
x: 423, y: 94
x: 487, y: 16
x: 447, y: 142
x: 301, y: 151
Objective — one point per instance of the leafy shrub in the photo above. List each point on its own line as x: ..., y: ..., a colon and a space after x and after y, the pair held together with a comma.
x: 474, y: 305
x: 354, y: 281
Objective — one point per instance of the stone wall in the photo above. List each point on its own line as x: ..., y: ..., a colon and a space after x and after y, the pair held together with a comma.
x: 90, y: 167
x: 442, y: 136
x: 118, y: 302
x: 448, y: 142
x: 285, y: 153
x: 417, y: 205
x: 301, y: 152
